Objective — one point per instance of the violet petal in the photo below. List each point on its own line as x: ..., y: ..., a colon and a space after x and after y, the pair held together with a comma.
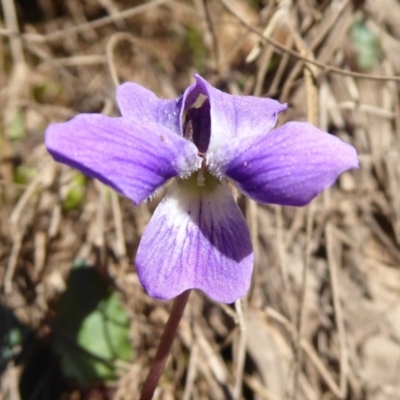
x: 134, y: 158
x: 237, y: 116
x: 196, y: 239
x: 135, y: 101
x: 288, y: 166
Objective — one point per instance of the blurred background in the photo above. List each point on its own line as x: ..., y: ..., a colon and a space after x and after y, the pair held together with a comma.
x: 322, y: 319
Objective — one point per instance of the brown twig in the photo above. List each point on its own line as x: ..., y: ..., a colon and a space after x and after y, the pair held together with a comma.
x: 10, y: 17
x: 241, y: 352
x: 325, y: 67
x: 130, y: 12
x: 344, y: 357
x: 192, y: 372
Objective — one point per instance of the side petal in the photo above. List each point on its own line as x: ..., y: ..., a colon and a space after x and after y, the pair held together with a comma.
x: 237, y: 116
x: 196, y: 239
x: 132, y: 157
x: 288, y: 166
x: 135, y: 101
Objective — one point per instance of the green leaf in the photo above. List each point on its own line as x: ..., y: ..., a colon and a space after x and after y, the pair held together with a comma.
x: 196, y: 45
x: 76, y: 193
x: 48, y: 92
x: 105, y: 333
x: 94, y: 328
x: 17, y: 129
x: 366, y: 44
x: 12, y: 334
x: 24, y: 174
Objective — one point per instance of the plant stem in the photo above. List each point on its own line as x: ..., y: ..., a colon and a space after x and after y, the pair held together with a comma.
x: 164, y: 346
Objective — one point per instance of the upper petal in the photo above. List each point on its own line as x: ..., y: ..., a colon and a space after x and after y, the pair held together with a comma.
x: 133, y: 157
x: 137, y: 102
x: 288, y: 166
x: 196, y: 239
x: 237, y: 116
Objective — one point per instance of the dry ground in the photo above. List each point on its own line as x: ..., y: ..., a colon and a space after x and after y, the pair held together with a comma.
x: 322, y: 320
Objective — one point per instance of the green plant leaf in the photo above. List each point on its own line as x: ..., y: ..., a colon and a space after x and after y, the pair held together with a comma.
x: 16, y: 130
x: 366, y: 44
x: 75, y: 194
x: 94, y: 328
x: 24, y: 174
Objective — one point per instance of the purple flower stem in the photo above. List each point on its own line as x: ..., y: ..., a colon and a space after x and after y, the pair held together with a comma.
x: 164, y: 346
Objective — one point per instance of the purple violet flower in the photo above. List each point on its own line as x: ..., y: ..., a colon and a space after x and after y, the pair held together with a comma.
x: 197, y: 237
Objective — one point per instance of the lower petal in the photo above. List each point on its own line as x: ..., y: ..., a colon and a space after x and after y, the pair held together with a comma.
x: 196, y: 239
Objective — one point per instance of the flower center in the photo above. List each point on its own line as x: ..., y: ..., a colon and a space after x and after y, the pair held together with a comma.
x: 196, y: 187
x: 197, y: 129
x: 197, y: 126
x: 200, y: 175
